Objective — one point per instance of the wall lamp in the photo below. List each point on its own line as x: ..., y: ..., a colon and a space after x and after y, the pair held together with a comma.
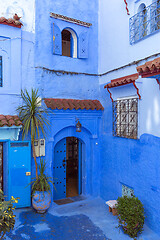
x: 78, y: 126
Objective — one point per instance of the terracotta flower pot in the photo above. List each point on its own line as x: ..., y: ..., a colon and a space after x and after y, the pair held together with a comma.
x: 41, y: 201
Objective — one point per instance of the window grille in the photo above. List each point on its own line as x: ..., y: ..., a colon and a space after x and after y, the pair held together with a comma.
x: 145, y: 22
x: 19, y: 144
x: 1, y: 82
x: 127, y: 191
x: 125, y: 118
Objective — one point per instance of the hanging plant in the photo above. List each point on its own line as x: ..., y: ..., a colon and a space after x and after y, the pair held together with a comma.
x: 130, y: 215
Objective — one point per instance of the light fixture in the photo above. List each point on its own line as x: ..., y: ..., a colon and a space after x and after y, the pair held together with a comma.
x: 78, y: 126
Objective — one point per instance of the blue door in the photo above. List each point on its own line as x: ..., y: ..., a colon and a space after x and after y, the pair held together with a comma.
x: 59, y: 170
x: 19, y: 167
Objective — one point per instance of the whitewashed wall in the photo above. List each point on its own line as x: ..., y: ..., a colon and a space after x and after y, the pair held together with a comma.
x: 24, y: 8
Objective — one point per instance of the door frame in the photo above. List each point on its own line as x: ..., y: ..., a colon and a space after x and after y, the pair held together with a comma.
x: 90, y: 152
x: 79, y: 173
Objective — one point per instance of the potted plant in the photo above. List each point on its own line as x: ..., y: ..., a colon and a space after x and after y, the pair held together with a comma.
x: 41, y: 195
x: 32, y: 115
x: 7, y: 218
x: 130, y: 215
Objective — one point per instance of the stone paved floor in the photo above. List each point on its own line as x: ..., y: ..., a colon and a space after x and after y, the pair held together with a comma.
x: 84, y: 220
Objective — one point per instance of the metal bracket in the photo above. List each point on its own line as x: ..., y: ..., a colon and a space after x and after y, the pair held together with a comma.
x: 134, y: 84
x: 158, y: 82
x: 110, y: 94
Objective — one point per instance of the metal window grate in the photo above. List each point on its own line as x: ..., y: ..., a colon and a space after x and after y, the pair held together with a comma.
x: 1, y: 80
x: 127, y: 191
x: 145, y: 22
x: 19, y: 144
x: 125, y: 118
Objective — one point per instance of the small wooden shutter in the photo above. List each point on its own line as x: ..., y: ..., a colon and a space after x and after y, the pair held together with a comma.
x: 57, y: 40
x: 83, y: 45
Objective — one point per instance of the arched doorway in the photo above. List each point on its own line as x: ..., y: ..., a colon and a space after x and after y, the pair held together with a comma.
x: 67, y: 168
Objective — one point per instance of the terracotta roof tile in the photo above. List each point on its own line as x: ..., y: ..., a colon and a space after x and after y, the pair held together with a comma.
x: 57, y: 103
x: 8, y: 120
x: 150, y: 68
x: 122, y: 81
x: 14, y: 22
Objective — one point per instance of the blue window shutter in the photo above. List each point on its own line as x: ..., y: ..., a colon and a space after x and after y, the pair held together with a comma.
x: 57, y: 40
x: 83, y: 45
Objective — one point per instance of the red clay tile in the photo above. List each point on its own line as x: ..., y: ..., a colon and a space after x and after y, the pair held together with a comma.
x: 150, y: 68
x: 8, y: 120
x: 71, y: 104
x: 122, y: 81
x: 14, y: 22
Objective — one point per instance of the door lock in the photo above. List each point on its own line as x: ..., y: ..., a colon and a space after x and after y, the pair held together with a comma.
x: 28, y: 173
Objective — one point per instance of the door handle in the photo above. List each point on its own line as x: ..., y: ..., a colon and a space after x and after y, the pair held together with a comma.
x: 28, y: 173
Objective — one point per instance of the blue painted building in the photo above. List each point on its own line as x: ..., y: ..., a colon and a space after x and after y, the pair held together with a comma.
x: 97, y: 69
x: 130, y: 135
x: 16, y: 73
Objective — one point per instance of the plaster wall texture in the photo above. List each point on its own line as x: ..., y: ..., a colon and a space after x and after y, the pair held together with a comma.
x: 69, y: 86
x: 17, y: 51
x: 134, y: 163
x: 25, y: 9
x: 10, y: 50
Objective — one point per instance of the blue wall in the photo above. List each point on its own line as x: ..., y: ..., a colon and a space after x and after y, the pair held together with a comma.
x: 26, y: 58
x: 67, y: 85
x: 17, y: 51
x: 135, y: 163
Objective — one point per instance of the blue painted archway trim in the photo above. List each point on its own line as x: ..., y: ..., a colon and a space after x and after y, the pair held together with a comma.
x: 63, y: 124
x: 85, y: 137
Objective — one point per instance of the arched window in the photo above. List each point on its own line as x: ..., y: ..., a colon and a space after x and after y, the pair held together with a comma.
x: 69, y: 43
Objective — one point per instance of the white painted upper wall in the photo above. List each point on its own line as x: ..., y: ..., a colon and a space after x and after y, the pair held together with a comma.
x: 24, y: 8
x: 114, y: 47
